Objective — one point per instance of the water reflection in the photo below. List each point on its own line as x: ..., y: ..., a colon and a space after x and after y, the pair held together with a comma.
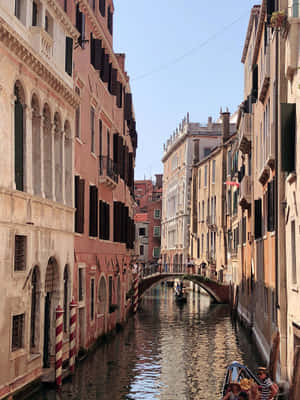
x: 168, y: 351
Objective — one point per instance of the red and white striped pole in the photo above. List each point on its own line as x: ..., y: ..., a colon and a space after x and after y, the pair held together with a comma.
x: 73, y: 306
x: 136, y: 292
x: 58, y: 345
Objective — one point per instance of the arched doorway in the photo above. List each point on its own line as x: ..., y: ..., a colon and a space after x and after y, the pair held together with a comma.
x: 102, y: 300
x: 51, y: 301
x: 35, y: 311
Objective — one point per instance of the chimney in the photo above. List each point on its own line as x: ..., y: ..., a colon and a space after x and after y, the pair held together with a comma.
x: 196, y: 151
x: 121, y: 60
x: 226, y: 124
x: 158, y: 178
x: 209, y: 122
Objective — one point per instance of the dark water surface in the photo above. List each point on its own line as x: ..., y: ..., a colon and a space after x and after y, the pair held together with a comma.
x: 165, y: 352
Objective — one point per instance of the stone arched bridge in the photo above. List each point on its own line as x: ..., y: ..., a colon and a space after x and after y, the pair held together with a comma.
x: 218, y: 291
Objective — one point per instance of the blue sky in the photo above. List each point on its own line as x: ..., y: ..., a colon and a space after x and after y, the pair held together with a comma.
x: 181, y: 56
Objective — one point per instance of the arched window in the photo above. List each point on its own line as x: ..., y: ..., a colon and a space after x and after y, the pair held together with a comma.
x: 36, y: 145
x: 58, y: 156
x: 19, y: 109
x: 102, y: 297
x: 47, y: 137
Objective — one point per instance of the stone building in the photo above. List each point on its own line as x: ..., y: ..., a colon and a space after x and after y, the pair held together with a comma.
x: 290, y: 166
x: 148, y: 197
x: 177, y: 160
x: 208, y: 225
x: 105, y: 146
x: 37, y: 107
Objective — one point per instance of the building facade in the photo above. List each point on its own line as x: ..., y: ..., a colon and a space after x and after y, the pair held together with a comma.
x: 177, y: 160
x: 105, y: 146
x: 148, y: 197
x: 38, y: 104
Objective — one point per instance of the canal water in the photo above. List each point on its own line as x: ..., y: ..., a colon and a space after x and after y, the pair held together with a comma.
x: 167, y: 351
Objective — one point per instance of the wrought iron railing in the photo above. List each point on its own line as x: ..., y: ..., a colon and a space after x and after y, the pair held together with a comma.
x: 107, y: 167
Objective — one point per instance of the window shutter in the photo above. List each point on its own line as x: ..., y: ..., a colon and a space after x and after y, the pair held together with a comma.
x: 127, y: 106
x: 76, y: 203
x: 271, y: 206
x: 288, y: 135
x: 254, y: 83
x: 105, y: 68
x: 102, y: 7
x: 115, y: 221
x: 258, y: 219
x: 69, y: 56
x: 109, y: 77
x: 93, y: 211
x: 107, y: 221
x: 19, y: 146
x: 34, y: 13
x: 119, y: 94
x: 98, y: 53
x: 114, y: 86
x: 79, y: 204
x: 116, y: 151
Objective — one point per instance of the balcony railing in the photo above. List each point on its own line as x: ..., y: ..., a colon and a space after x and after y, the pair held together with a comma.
x: 265, y: 75
x: 245, y: 192
x: 42, y: 41
x: 107, y: 168
x: 245, y: 133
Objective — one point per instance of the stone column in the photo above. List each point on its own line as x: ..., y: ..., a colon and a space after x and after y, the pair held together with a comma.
x: 42, y: 156
x: 63, y: 165
x: 53, y: 161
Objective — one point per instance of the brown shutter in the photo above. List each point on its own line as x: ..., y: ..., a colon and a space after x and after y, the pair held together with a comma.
x: 119, y: 94
x: 127, y: 106
x: 80, y: 205
x: 114, y: 86
x: 97, y: 53
x: 76, y: 202
x: 258, y: 219
x: 93, y: 211
x: 105, y: 69
x: 69, y: 56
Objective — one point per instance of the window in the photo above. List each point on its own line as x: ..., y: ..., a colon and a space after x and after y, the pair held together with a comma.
x: 206, y: 151
x: 142, y: 232
x: 266, y: 300
x: 80, y: 283
x: 157, y: 213
x: 104, y: 220
x: 93, y: 211
x: 49, y: 24
x: 205, y: 176
x: 110, y: 292
x: 79, y: 204
x: 77, y: 122
x: 69, y: 56
x: 156, y: 252
x: 100, y: 138
x: 199, y: 178
x: 244, y: 230
x: 34, y: 13
x: 202, y: 243
x: 19, y: 136
x: 18, y: 8
x: 102, y: 7
x: 34, y: 309
x: 108, y: 144
x: 235, y: 202
x: 66, y: 5
x: 198, y: 248
x: 119, y: 90
x: 110, y: 20
x: 92, y: 130
x: 203, y: 210
x: 80, y: 25
x: 214, y: 171
x: 257, y: 219
x: 17, y: 331
x: 288, y: 137
x: 141, y: 250
x: 293, y: 250
x: 156, y: 231
x: 295, y: 9
x: 20, y: 253
x: 92, y: 299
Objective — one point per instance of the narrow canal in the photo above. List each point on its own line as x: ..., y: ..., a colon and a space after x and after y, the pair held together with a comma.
x: 167, y: 351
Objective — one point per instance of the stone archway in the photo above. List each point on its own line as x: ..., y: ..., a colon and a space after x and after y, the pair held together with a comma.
x: 51, y: 301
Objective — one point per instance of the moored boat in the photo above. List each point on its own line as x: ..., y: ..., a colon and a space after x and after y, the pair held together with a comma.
x: 237, y: 372
x: 181, y: 297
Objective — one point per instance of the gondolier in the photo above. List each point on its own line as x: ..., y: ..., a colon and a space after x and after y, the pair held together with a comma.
x: 268, y: 388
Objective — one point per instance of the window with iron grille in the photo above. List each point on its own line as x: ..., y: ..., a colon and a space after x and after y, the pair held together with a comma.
x: 156, y: 251
x: 157, y: 213
x: 20, y: 253
x: 142, y: 232
x: 156, y: 231
x: 17, y: 331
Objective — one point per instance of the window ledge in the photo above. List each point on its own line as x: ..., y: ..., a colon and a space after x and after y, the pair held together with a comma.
x: 291, y: 178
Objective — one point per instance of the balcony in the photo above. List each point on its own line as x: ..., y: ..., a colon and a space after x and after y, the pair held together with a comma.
x: 245, y: 133
x: 107, y: 172
x: 42, y: 42
x: 265, y: 76
x: 245, y: 192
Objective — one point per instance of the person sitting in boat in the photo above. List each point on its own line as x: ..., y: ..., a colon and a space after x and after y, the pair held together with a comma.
x: 268, y: 388
x: 234, y: 389
x: 253, y: 392
x: 243, y: 396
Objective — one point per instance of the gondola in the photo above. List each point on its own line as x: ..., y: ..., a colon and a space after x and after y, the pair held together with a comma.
x: 236, y: 372
x: 180, y: 297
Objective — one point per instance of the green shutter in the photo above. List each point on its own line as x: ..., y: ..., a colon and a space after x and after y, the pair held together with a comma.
x: 288, y: 128
x: 254, y: 92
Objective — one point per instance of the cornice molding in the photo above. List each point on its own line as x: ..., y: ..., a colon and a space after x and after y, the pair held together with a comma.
x: 17, y: 45
x: 98, y: 33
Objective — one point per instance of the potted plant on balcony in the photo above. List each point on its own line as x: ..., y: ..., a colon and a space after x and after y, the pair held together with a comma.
x: 279, y: 19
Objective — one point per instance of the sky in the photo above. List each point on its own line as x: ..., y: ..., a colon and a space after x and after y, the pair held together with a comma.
x: 182, y: 56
